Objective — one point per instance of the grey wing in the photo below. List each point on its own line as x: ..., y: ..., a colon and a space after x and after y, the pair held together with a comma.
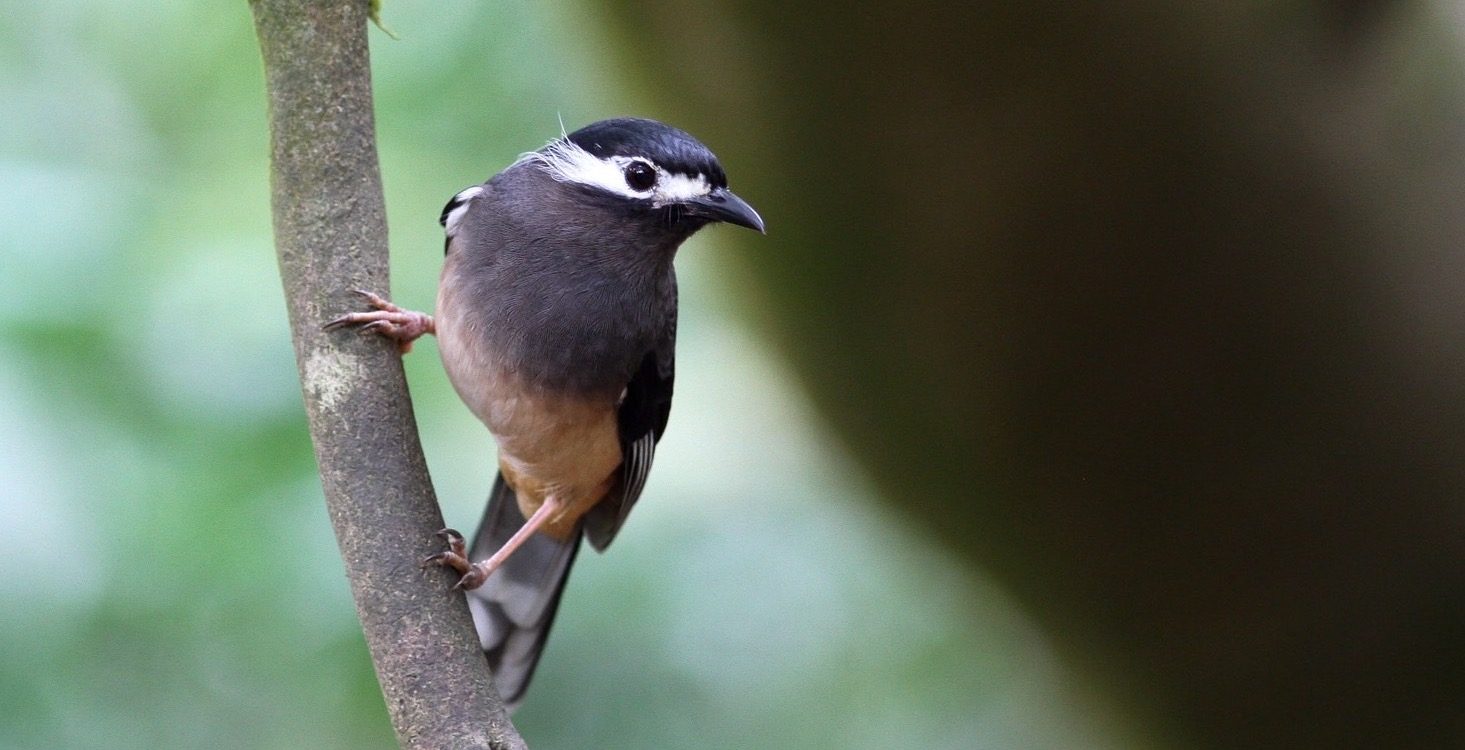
x: 641, y: 419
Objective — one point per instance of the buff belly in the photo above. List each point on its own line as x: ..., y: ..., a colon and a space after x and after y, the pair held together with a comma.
x: 566, y: 445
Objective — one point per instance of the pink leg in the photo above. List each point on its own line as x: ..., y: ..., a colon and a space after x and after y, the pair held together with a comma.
x: 474, y: 574
x: 405, y: 326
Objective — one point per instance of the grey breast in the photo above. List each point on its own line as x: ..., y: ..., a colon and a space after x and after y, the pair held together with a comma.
x: 568, y: 294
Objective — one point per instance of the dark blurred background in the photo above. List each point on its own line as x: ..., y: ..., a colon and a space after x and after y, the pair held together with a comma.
x: 1099, y: 384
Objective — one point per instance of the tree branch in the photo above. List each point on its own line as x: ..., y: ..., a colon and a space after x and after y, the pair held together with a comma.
x: 331, y: 237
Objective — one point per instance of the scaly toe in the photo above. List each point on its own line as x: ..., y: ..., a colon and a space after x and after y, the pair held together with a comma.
x: 471, y: 579
x: 448, y: 560
x: 377, y: 301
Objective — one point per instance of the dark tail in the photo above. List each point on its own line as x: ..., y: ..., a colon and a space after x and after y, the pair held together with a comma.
x: 515, y: 607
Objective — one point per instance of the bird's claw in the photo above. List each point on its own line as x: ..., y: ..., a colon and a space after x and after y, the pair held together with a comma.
x: 375, y: 299
x: 389, y: 320
x: 456, y: 557
x: 454, y: 539
x: 474, y: 578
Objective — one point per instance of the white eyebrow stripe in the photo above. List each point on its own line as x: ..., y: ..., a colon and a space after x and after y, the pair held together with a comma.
x: 566, y: 161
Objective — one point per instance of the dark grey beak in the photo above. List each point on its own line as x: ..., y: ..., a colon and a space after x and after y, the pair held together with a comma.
x: 722, y: 205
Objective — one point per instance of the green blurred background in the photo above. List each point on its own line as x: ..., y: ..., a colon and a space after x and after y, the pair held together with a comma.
x: 1100, y: 383
x: 170, y: 576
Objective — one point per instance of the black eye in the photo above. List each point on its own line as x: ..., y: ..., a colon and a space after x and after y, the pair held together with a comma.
x: 640, y: 176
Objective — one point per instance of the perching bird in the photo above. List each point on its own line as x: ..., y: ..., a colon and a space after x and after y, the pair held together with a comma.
x: 556, y: 320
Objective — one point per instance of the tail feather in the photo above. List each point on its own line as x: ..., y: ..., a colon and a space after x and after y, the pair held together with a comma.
x: 516, y: 606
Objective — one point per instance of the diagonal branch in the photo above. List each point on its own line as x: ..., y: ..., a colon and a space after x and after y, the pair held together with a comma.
x: 331, y: 237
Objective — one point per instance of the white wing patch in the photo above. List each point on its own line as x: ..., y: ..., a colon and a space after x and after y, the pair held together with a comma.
x: 458, y: 207
x: 567, y: 162
x: 638, y: 466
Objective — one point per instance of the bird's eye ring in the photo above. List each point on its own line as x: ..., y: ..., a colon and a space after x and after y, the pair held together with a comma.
x: 640, y: 176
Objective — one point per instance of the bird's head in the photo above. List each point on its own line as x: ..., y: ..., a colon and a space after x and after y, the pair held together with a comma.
x: 645, y: 171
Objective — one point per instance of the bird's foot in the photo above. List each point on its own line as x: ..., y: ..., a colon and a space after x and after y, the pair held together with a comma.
x: 403, y: 326
x: 456, y: 557
x: 475, y: 573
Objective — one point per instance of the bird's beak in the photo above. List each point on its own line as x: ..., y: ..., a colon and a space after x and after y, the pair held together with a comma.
x: 722, y: 205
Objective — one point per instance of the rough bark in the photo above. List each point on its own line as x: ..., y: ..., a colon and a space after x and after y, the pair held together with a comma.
x: 331, y: 237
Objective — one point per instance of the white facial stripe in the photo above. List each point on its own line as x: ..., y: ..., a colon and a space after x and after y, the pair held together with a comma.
x: 567, y: 162
x: 674, y: 188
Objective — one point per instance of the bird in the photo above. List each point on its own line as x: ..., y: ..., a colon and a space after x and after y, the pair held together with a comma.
x: 556, y: 322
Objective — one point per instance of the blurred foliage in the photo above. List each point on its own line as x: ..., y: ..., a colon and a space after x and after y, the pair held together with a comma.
x: 171, y: 580
x: 1151, y: 309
